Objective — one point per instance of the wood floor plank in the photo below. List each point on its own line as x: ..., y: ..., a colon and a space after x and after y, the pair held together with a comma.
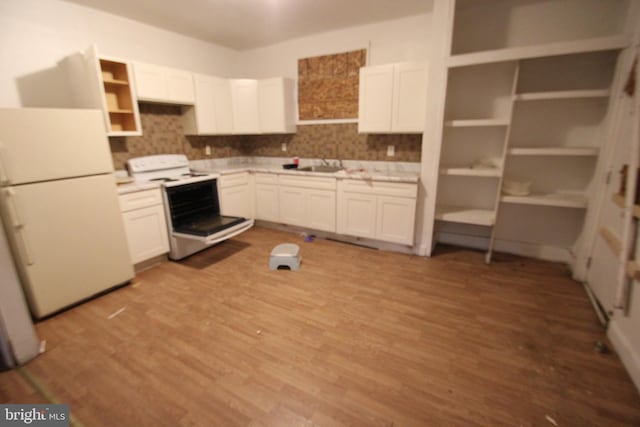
x: 356, y: 337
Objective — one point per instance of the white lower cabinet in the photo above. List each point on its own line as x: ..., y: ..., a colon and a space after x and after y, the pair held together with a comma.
x: 308, y: 202
x: 321, y: 205
x: 377, y: 210
x: 266, y: 197
x: 292, y: 206
x: 357, y: 215
x: 145, y: 224
x: 395, y: 219
x: 236, y: 195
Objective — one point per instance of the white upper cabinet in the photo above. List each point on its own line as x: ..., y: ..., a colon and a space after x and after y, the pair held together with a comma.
x: 409, y: 97
x: 375, y: 98
x: 276, y: 105
x: 161, y: 84
x: 211, y: 113
x: 244, y: 100
x: 392, y: 98
x: 105, y: 84
x: 263, y: 106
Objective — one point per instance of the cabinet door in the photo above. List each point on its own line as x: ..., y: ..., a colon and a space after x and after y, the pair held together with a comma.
x: 396, y: 218
x: 146, y: 233
x: 244, y: 98
x: 211, y: 114
x: 357, y: 215
x: 409, y: 97
x: 236, y: 201
x: 150, y: 82
x: 276, y: 105
x: 375, y: 102
x: 267, y: 202
x: 180, y: 87
x: 321, y: 210
x: 223, y: 110
x: 293, y: 206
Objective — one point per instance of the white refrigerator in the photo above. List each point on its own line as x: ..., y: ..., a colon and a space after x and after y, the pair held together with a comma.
x: 59, y: 206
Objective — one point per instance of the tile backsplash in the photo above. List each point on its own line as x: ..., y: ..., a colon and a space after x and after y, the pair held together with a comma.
x: 163, y: 134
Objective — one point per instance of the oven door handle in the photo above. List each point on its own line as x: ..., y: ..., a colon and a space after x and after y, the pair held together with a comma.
x: 220, y: 236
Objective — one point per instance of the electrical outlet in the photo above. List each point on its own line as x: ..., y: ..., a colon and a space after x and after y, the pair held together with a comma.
x: 284, y: 146
x: 207, y: 150
x: 391, y: 150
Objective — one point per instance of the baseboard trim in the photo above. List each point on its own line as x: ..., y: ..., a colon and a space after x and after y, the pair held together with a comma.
x: 630, y: 358
x: 369, y: 243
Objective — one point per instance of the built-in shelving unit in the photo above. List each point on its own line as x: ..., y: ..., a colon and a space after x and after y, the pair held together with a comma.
x: 487, y: 173
x: 553, y: 151
x: 462, y: 215
x: 539, y: 51
x: 477, y: 122
x: 527, y: 87
x: 559, y: 200
x: 563, y: 94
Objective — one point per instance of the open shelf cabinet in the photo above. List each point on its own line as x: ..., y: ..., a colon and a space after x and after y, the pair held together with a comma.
x: 105, y: 84
x: 528, y: 87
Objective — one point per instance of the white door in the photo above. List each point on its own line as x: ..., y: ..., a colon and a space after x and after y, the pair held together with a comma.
x: 234, y: 201
x: 68, y: 238
x: 205, y: 112
x: 271, y: 105
x: 244, y: 97
x: 292, y: 206
x: 395, y: 220
x: 146, y: 231
x: 321, y: 210
x: 222, y: 105
x: 151, y: 82
x: 43, y: 144
x: 409, y: 97
x: 267, y: 202
x: 602, y: 273
x: 357, y: 215
x: 180, y: 86
x: 375, y: 98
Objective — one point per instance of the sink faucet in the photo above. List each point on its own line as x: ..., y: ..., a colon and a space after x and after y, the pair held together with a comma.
x: 325, y: 162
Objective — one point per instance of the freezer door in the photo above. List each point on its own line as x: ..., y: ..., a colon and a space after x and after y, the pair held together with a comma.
x: 38, y: 144
x: 68, y: 240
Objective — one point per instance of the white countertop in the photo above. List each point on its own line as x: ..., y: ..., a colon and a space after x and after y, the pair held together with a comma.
x: 374, y: 171
x: 363, y: 170
x: 137, y: 186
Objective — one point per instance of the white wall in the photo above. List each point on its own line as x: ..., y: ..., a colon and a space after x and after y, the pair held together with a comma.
x: 36, y: 34
x: 404, y: 39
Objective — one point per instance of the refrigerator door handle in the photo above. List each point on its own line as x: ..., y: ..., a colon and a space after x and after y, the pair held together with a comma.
x: 4, y: 179
x: 18, y: 224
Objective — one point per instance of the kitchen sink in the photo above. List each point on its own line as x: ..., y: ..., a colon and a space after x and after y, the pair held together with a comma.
x: 321, y: 168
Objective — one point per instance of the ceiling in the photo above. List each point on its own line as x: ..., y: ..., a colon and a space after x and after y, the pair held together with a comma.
x: 246, y: 24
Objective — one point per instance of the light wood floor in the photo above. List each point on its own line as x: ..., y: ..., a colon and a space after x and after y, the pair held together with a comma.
x: 357, y: 337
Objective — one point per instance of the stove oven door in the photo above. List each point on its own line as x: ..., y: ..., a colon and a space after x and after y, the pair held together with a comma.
x: 194, y: 213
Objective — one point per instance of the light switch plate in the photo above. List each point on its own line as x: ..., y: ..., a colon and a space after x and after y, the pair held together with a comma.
x: 284, y: 146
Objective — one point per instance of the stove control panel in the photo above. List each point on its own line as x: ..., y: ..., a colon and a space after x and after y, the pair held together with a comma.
x: 157, y: 162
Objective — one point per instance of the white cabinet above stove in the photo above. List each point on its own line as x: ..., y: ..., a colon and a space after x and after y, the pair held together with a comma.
x: 155, y: 83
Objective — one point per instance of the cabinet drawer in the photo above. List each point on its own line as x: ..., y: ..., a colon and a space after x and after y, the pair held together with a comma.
x: 380, y: 187
x: 319, y: 183
x: 233, y: 180
x: 140, y: 199
x: 266, y: 178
